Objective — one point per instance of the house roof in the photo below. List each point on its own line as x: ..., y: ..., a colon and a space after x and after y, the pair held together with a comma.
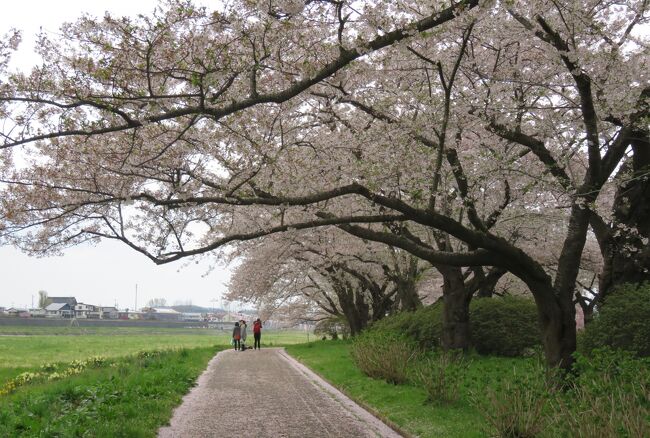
x: 68, y: 300
x: 57, y: 306
x: 164, y: 310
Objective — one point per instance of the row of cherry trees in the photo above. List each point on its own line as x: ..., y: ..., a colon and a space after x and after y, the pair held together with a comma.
x: 320, y: 276
x: 483, y: 138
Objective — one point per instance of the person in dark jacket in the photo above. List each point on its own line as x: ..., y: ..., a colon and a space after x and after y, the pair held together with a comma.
x: 236, y: 336
x: 242, y: 330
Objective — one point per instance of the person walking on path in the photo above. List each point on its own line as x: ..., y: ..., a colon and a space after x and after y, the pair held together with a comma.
x: 236, y: 336
x: 257, y: 334
x: 242, y: 328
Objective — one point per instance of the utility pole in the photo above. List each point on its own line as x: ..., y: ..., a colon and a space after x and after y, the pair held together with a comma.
x: 135, y: 309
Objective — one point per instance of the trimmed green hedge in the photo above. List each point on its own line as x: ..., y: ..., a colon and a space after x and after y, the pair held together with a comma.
x: 623, y: 322
x: 504, y: 326
x: 423, y: 325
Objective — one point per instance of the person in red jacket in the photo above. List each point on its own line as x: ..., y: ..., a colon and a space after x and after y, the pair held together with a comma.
x: 257, y: 333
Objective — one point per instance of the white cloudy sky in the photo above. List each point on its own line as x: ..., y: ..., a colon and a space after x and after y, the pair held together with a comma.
x: 108, y: 273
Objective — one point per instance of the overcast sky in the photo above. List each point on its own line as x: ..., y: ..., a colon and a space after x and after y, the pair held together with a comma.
x: 108, y: 273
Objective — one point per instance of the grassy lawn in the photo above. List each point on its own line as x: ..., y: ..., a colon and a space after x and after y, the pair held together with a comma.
x: 124, y: 397
x: 28, y: 348
x: 608, y: 399
x: 406, y: 406
x: 20, y: 353
x: 133, y: 393
x: 403, y: 405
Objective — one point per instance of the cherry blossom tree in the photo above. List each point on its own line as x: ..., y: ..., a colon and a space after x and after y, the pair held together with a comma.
x: 425, y: 126
x: 321, y: 275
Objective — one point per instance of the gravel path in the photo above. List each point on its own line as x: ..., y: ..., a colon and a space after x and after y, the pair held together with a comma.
x: 266, y: 393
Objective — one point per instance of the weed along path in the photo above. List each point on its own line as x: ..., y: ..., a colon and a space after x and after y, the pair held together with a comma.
x: 266, y: 393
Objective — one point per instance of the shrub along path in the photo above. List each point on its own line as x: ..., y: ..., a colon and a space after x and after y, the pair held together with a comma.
x: 267, y: 393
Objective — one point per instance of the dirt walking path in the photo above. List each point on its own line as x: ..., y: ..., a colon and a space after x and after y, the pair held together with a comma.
x: 266, y: 393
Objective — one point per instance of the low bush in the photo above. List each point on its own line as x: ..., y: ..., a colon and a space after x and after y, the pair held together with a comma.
x: 504, y: 326
x: 423, y: 326
x: 608, y: 397
x: 441, y: 376
x: 384, y: 355
x: 516, y: 413
x: 517, y: 407
x: 500, y: 326
x: 622, y: 322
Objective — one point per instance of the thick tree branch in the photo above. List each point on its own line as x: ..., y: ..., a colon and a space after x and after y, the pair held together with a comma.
x: 345, y: 57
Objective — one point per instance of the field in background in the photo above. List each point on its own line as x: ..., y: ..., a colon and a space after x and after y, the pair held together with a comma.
x: 26, y: 348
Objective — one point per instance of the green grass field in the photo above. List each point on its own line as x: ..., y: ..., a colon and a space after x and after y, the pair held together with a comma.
x: 134, y: 391
x: 129, y: 396
x: 26, y: 348
x: 133, y: 394
x: 608, y: 399
x: 402, y: 405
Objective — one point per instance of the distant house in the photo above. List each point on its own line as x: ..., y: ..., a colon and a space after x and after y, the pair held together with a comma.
x: 187, y: 316
x: 38, y: 313
x: 136, y: 315
x: 15, y: 312
x: 71, y: 301
x: 86, y: 311
x: 59, y: 310
x: 110, y: 313
x: 161, y: 314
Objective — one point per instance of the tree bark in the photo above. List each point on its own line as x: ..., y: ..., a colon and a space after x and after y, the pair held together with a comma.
x: 627, y: 257
x: 455, y: 316
x: 484, y: 285
x: 557, y: 322
x: 407, y: 293
x: 354, y: 308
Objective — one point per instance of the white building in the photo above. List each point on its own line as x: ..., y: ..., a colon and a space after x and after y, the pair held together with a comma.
x: 86, y: 311
x: 161, y: 313
x: 192, y: 317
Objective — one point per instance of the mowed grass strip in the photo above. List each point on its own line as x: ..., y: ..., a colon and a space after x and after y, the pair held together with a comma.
x: 130, y: 396
x: 33, y: 351
x: 406, y: 406
x: 26, y: 353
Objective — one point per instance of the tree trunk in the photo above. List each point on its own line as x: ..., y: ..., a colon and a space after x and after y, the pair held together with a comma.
x: 407, y: 295
x: 455, y: 316
x: 354, y: 308
x: 627, y: 258
x: 557, y: 322
x: 486, y: 284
